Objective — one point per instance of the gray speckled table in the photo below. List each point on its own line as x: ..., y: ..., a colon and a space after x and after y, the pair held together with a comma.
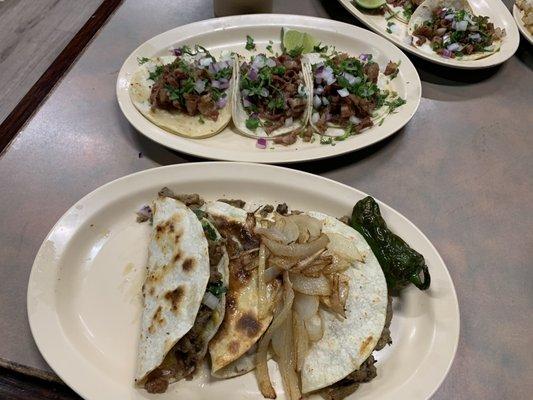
x: 461, y: 170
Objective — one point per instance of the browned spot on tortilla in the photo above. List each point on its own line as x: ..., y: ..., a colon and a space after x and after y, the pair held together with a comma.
x: 177, y: 256
x: 166, y: 227
x: 151, y: 291
x: 364, y: 345
x: 188, y: 264
x: 156, y: 319
x: 231, y: 303
x: 174, y: 297
x: 177, y: 237
x: 249, y: 324
x: 234, y: 346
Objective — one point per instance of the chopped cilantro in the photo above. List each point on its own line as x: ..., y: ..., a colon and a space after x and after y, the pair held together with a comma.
x: 381, y: 121
x: 390, y: 23
x: 296, y: 52
x: 394, y: 104
x: 216, y: 288
x: 389, y: 30
x: 269, y: 47
x: 326, y: 140
x: 347, y: 133
x: 320, y: 49
x: 252, y: 123
x: 250, y: 45
x: 407, y: 10
x: 201, y: 120
x: 156, y: 73
x: 276, y: 103
x: 209, y: 231
x: 142, y: 60
x: 279, y: 70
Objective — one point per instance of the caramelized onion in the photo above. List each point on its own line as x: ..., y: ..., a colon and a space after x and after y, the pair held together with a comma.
x: 289, y: 228
x: 314, y: 328
x: 300, y: 340
x: 261, y: 282
x: 337, y: 300
x: 265, y: 385
x: 295, y: 249
x: 309, y: 227
x: 272, y: 273
x: 271, y: 233
x: 319, y: 286
x: 344, y: 247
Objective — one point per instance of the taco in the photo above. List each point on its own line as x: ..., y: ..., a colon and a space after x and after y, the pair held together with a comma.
x: 452, y: 30
x: 271, y: 96
x: 234, y: 346
x: 188, y: 94
x: 349, y: 94
x: 184, y: 293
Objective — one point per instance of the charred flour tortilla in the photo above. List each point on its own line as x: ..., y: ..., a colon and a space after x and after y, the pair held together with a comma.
x: 179, y: 121
x: 232, y: 348
x: 347, y: 343
x: 186, y: 257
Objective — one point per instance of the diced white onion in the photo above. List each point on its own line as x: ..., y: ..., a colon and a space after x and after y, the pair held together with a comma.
x: 325, y: 101
x: 343, y: 92
x: 319, y: 90
x: 210, y: 300
x: 315, y: 117
x: 204, y: 62
x: 316, y: 101
x: 288, y: 121
x: 270, y: 62
x: 461, y: 26
x: 354, y: 119
x: 199, y: 86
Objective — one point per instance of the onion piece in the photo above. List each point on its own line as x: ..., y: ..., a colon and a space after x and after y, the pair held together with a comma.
x: 270, y: 62
x: 272, y: 273
x: 199, y: 86
x: 337, y: 300
x: 265, y: 385
x: 300, y: 339
x: 282, y: 344
x: 296, y: 249
x: 210, y: 300
x: 261, y: 282
x: 301, y: 264
x: 308, y: 226
x: 343, y: 92
x: 288, y: 227
x: 306, y: 306
x: 284, y: 263
x: 344, y: 247
x: 271, y: 233
x: 314, y: 328
x: 319, y: 286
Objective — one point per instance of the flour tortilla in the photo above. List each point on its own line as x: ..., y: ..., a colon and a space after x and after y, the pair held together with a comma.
x: 240, y: 115
x: 348, y: 342
x: 231, y: 349
x: 424, y: 12
x: 177, y: 275
x: 174, y: 121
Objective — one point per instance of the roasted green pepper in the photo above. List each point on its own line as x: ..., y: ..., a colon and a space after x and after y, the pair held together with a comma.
x: 400, y: 263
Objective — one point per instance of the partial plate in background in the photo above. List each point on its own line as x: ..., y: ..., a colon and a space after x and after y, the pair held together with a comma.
x: 84, y: 292
x: 494, y: 9
x: 517, y: 14
x: 230, y: 34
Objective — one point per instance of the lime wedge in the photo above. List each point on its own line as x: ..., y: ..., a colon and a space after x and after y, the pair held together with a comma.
x: 370, y: 4
x: 293, y: 40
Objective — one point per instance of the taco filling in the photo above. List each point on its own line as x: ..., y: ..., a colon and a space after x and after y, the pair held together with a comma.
x: 346, y: 92
x: 194, y: 84
x: 272, y: 91
x: 456, y: 33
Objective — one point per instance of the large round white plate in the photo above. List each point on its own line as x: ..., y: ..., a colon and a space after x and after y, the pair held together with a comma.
x: 229, y: 33
x: 84, y: 300
x: 494, y: 9
x: 517, y: 14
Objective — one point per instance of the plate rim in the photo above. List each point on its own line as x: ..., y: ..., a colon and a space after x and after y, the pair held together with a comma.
x: 517, y: 15
x: 33, y: 301
x: 468, y: 65
x: 190, y: 146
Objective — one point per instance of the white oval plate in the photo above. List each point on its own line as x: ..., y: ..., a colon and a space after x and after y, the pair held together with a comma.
x: 229, y: 33
x: 495, y: 9
x: 517, y: 14
x: 84, y: 301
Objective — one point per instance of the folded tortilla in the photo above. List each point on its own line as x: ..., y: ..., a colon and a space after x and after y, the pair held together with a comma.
x: 424, y: 12
x: 240, y: 115
x: 346, y: 343
x: 178, y: 272
x: 174, y: 121
x: 232, y: 349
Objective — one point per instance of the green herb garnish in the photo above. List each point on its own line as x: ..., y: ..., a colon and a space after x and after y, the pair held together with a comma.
x: 209, y: 231
x: 156, y: 73
x: 252, y: 123
x: 201, y: 120
x: 269, y: 47
x: 216, y: 288
x: 250, y: 45
x: 394, y: 104
x: 142, y: 60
